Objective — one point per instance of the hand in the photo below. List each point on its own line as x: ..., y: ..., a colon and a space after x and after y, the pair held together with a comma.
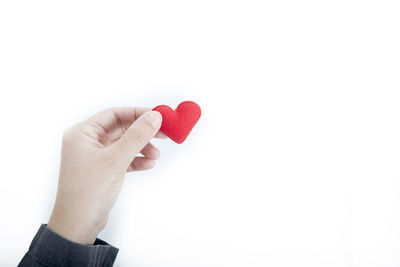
x: 96, y: 154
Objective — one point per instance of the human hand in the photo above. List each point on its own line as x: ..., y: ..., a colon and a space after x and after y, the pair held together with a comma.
x: 96, y: 154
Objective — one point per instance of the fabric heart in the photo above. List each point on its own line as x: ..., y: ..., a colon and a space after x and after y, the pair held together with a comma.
x: 177, y: 124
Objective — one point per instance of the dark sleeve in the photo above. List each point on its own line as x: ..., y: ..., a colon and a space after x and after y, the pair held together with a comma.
x: 50, y: 249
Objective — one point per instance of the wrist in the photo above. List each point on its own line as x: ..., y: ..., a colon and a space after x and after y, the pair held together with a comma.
x: 78, y: 232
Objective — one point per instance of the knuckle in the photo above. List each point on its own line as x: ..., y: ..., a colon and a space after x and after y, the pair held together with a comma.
x: 67, y: 135
x: 112, y: 110
x: 140, y: 136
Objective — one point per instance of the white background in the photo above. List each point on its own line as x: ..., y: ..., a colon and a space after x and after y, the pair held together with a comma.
x: 294, y: 162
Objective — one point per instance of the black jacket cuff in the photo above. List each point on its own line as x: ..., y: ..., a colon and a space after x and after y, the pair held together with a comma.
x: 50, y: 249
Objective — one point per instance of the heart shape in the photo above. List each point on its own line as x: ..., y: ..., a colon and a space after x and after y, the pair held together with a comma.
x: 178, y: 123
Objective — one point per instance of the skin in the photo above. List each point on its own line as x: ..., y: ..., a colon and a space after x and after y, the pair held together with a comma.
x: 96, y: 155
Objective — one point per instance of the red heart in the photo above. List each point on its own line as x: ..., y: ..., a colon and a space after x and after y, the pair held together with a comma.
x: 177, y: 124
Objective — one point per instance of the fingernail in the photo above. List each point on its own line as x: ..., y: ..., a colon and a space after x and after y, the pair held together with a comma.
x: 154, y: 118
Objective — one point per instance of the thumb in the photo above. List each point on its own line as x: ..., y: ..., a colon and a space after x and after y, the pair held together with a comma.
x: 137, y: 136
